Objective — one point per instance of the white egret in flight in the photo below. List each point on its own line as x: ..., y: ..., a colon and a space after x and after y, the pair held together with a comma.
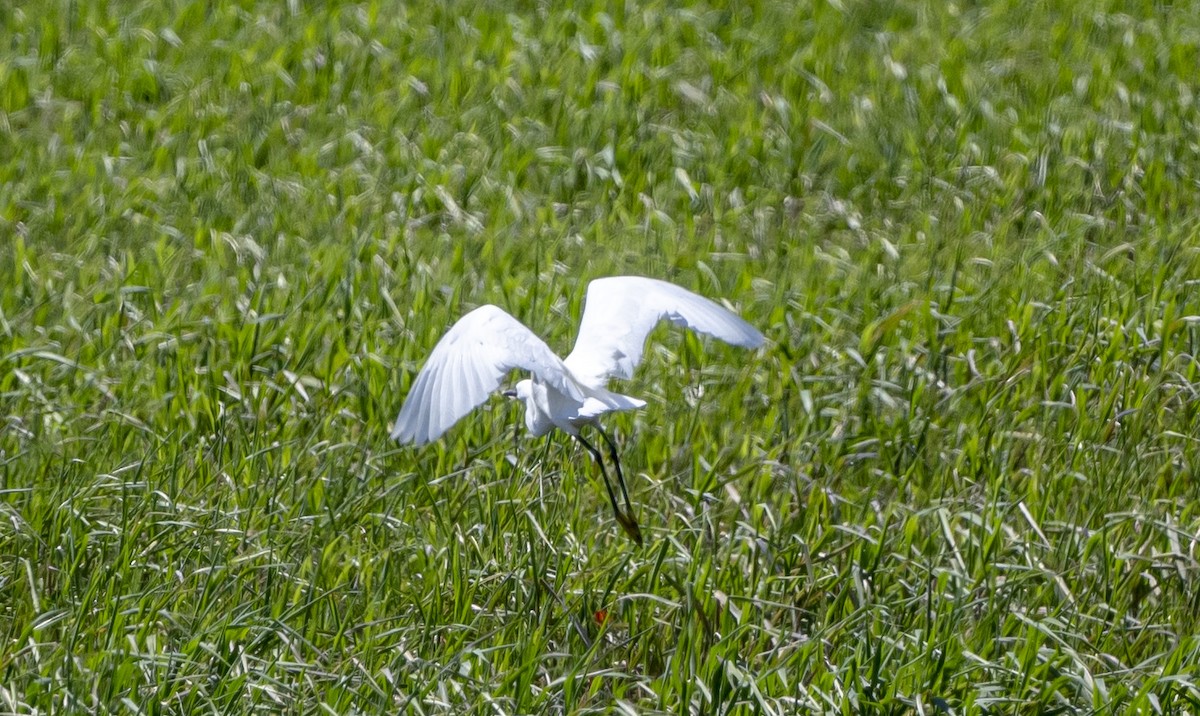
x: 473, y: 358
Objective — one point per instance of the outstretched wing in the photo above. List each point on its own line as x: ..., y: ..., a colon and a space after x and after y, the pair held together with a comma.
x: 622, y: 310
x: 467, y: 365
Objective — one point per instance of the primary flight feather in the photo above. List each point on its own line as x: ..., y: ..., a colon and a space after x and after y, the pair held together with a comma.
x: 471, y: 361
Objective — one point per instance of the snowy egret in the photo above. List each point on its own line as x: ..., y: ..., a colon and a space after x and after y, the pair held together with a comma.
x: 473, y: 358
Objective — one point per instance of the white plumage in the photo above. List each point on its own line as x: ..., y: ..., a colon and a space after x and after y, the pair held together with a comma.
x: 471, y: 361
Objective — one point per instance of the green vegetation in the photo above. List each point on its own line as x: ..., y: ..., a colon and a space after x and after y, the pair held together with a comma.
x: 962, y: 478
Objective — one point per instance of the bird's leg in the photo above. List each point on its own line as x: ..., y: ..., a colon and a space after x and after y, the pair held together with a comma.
x: 612, y: 498
x: 627, y: 522
x: 612, y: 450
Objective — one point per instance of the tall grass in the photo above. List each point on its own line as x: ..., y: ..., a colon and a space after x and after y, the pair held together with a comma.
x: 962, y: 478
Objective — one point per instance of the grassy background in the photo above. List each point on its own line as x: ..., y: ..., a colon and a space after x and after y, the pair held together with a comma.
x: 962, y: 478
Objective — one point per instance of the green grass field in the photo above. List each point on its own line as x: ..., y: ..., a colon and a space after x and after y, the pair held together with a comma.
x: 961, y: 478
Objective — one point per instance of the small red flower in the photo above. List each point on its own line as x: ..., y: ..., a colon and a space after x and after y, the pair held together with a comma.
x: 601, y: 616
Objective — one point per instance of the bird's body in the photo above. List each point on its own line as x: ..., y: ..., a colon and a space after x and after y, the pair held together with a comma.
x: 546, y: 408
x: 472, y: 359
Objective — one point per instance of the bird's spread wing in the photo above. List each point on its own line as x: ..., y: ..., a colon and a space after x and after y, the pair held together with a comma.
x: 467, y: 365
x: 622, y: 310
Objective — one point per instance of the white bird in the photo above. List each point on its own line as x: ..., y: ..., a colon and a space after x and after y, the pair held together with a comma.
x: 473, y: 358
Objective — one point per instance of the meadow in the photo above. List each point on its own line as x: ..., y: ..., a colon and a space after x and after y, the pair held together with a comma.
x: 961, y: 477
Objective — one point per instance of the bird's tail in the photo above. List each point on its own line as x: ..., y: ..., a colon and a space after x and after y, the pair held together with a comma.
x: 600, y: 401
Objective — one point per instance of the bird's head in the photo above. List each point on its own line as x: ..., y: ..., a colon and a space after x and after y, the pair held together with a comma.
x: 520, y: 391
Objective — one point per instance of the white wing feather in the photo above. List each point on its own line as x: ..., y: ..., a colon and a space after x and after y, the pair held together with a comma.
x: 468, y: 364
x: 620, y: 312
